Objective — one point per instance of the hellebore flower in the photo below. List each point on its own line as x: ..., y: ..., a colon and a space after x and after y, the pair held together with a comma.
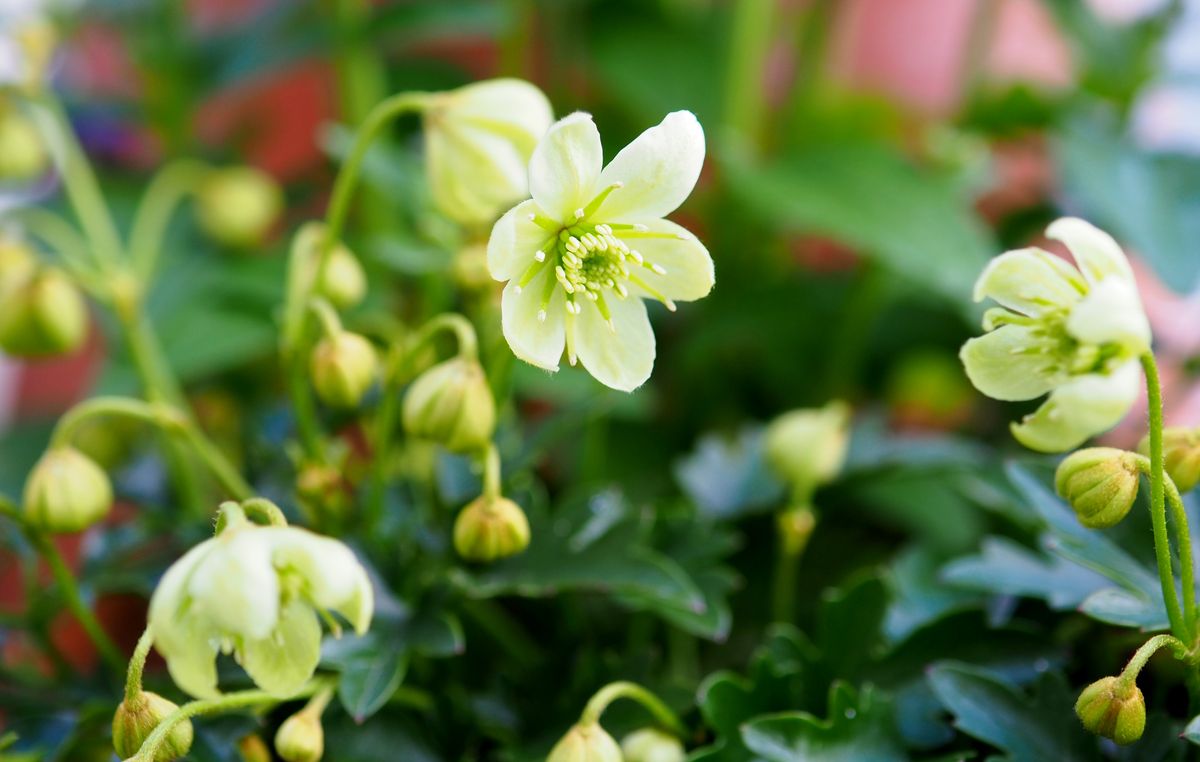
x: 257, y: 592
x: 1073, y: 332
x: 580, y: 256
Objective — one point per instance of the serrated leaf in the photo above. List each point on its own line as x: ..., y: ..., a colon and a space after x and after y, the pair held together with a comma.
x: 859, y: 727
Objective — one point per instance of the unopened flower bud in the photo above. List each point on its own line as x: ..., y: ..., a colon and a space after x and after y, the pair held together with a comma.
x: 652, y: 745
x: 301, y: 738
x: 22, y: 154
x: 42, y: 315
x: 452, y: 404
x: 491, y: 528
x: 237, y: 206
x: 253, y: 749
x: 1181, y: 455
x: 1113, y: 708
x: 17, y: 264
x: 1100, y: 483
x: 795, y: 527
x: 586, y: 742
x: 343, y: 283
x: 806, y: 448
x: 137, y: 718
x: 66, y: 492
x: 323, y: 489
x: 343, y: 368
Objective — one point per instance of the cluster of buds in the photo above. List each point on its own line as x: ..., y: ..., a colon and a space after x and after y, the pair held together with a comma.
x: 137, y: 717
x: 42, y: 313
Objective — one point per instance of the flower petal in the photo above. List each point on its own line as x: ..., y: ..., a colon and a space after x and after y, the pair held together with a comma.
x: 689, y: 268
x: 538, y: 342
x: 620, y: 359
x: 473, y: 174
x: 658, y: 170
x: 1078, y: 409
x: 334, y: 578
x: 283, y: 661
x: 1111, y: 312
x: 1005, y: 364
x: 235, y: 586
x: 510, y: 107
x: 191, y: 656
x: 1095, y: 251
x: 514, y: 241
x: 1029, y: 281
x: 565, y: 166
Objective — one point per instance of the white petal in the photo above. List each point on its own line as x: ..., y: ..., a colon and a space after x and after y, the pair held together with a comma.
x: 1111, y: 312
x: 282, y: 662
x: 335, y: 578
x: 511, y: 107
x: 538, y: 342
x: 658, y: 170
x: 565, y: 166
x: 1005, y: 364
x: 1079, y: 409
x: 473, y: 174
x: 1095, y: 251
x: 514, y: 241
x: 235, y: 586
x: 689, y: 268
x: 1029, y: 281
x: 623, y: 358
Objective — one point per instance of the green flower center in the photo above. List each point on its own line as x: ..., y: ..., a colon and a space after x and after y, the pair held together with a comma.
x: 1064, y: 354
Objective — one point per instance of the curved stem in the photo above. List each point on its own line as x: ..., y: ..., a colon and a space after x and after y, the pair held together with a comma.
x: 162, y: 197
x: 326, y: 315
x: 65, y: 240
x: 70, y: 590
x: 137, y: 665
x: 613, y: 691
x: 1148, y: 649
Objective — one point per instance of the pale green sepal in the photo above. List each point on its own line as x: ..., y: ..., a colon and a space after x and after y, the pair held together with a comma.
x: 1096, y: 253
x: 1030, y: 281
x: 1111, y: 312
x: 1006, y: 364
x: 1079, y: 409
x: 282, y: 662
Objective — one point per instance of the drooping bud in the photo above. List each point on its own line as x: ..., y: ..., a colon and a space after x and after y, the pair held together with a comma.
x: 652, y: 745
x: 586, y: 742
x: 22, y: 153
x: 1181, y: 455
x: 237, y: 206
x: 343, y: 283
x: 489, y: 529
x: 66, y: 492
x: 1113, y: 708
x: 42, y: 315
x: 137, y: 718
x: 301, y: 738
x: 806, y: 448
x: 1100, y: 483
x: 452, y: 404
x: 343, y: 368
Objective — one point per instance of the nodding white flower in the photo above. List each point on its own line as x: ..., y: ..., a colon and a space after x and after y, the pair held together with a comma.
x: 478, y: 140
x: 1073, y: 332
x: 580, y: 256
x: 258, y: 592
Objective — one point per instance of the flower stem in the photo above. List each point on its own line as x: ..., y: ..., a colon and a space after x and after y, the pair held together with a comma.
x: 1183, y: 538
x: 168, y: 188
x: 623, y: 689
x: 137, y: 665
x: 751, y: 30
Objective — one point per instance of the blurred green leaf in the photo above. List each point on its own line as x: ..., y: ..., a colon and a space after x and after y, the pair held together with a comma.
x: 859, y: 728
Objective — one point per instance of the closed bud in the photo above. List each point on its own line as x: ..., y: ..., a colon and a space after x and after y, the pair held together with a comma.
x: 237, y: 206
x: 253, y: 749
x: 343, y: 368
x: 66, y: 492
x: 1113, y: 708
x: 806, y: 448
x: 343, y: 283
x: 17, y: 264
x: 1181, y: 456
x: 452, y: 404
x: 137, y: 718
x: 1100, y: 483
x: 323, y: 489
x: 43, y: 314
x: 301, y: 738
x: 652, y: 745
x: 490, y: 528
x: 586, y: 742
x: 22, y: 154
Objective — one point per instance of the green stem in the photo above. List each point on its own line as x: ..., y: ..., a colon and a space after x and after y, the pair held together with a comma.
x: 613, y: 691
x: 137, y: 665
x: 1142, y: 655
x: 70, y: 591
x: 751, y: 31
x: 1158, y: 512
x: 1183, y: 539
x: 491, y: 472
x: 164, y: 194
x: 331, y: 324
x: 66, y: 242
x: 793, y: 526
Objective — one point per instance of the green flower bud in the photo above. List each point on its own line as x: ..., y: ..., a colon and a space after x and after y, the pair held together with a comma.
x: 452, y: 404
x: 344, y: 283
x: 17, y: 264
x: 491, y: 528
x: 1114, y: 709
x: 343, y: 368
x: 301, y: 738
x: 22, y: 153
x: 42, y: 315
x: 1100, y: 483
x: 136, y: 718
x: 806, y: 448
x: 253, y: 749
x: 237, y: 206
x: 66, y: 492
x: 1181, y: 455
x: 652, y: 745
x: 586, y: 743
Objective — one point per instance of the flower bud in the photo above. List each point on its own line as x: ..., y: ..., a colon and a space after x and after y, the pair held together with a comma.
x: 136, y: 718
x: 301, y: 738
x: 42, y: 315
x: 322, y: 489
x: 1181, y: 455
x: 452, y: 404
x: 1114, y: 709
x: 66, y: 492
x: 652, y: 745
x: 17, y: 264
x: 237, y: 206
x: 586, y: 742
x: 1100, y: 483
x: 343, y: 369
x: 22, y: 154
x: 491, y: 528
x: 253, y: 749
x: 343, y: 283
x: 806, y: 448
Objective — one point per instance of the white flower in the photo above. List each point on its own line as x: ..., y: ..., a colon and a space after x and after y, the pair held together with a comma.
x: 257, y: 592
x: 580, y: 256
x: 478, y: 140
x: 1073, y: 333
x: 27, y: 39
